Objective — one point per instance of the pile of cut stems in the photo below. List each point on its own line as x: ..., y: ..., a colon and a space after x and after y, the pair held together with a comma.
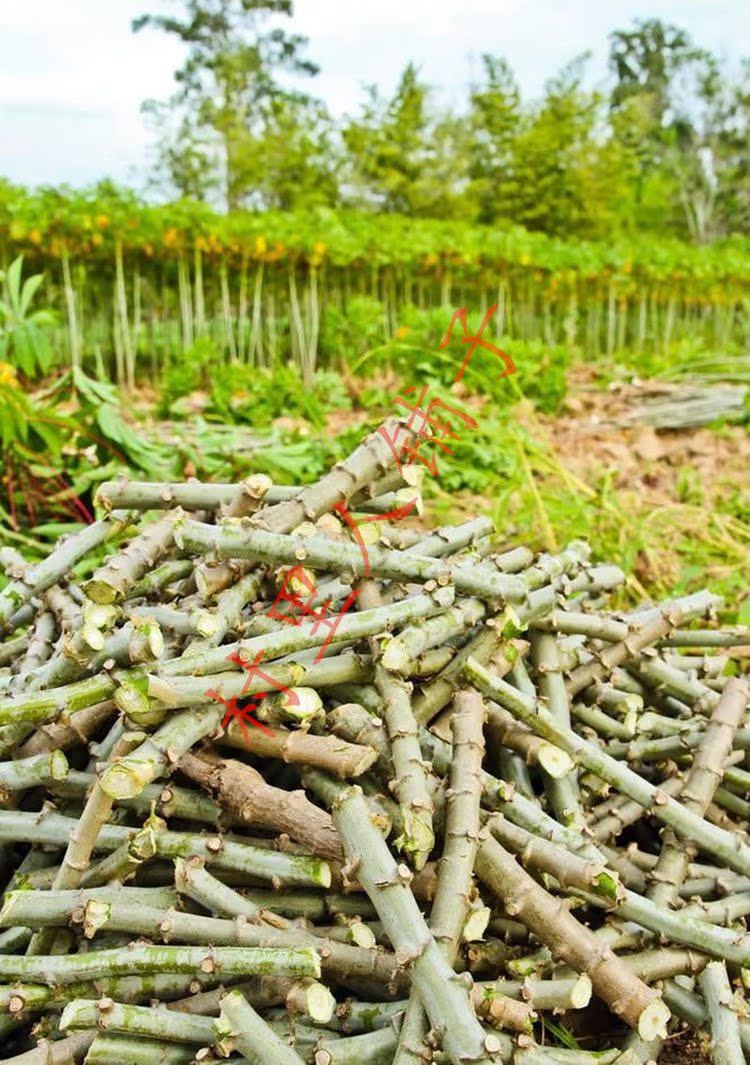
x: 287, y: 778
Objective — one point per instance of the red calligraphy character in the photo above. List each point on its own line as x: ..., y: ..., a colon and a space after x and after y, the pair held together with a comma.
x: 432, y: 428
x: 308, y: 611
x: 340, y: 508
x: 288, y: 594
x: 399, y: 512
x: 239, y: 714
x: 475, y: 341
x: 392, y: 441
x: 332, y: 623
x: 252, y: 669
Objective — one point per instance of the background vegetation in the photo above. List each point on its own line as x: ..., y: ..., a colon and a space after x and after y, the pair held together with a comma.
x: 287, y: 273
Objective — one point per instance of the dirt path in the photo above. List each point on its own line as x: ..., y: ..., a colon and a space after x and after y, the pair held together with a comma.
x: 664, y: 466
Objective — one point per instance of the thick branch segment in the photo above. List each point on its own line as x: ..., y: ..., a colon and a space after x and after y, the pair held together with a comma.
x: 158, y: 1023
x: 374, y: 457
x: 402, y: 651
x: 450, y: 906
x: 340, y: 961
x: 303, y: 748
x: 241, y: 1028
x: 32, y: 772
x: 97, y: 964
x: 219, y: 851
x: 111, y: 583
x: 410, y: 782
x: 320, y: 552
x: 82, y: 841
x: 570, y: 941
x: 505, y: 731
x: 128, y: 776
x: 87, y: 650
x: 287, y: 639
x: 652, y: 626
x: 563, y: 790
x: 726, y: 1044
x: 242, y: 789
x: 455, y: 872
x: 570, y: 870
x: 438, y: 692
x: 39, y: 578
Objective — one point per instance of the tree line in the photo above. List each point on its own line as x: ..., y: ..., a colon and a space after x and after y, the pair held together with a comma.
x: 665, y: 148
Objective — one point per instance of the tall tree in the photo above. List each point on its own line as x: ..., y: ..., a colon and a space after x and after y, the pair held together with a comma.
x: 294, y: 158
x: 677, y: 95
x: 494, y: 123
x: 645, y: 60
x: 387, y: 145
x: 185, y: 160
x: 406, y: 156
x: 227, y: 79
x: 553, y: 151
x: 733, y: 191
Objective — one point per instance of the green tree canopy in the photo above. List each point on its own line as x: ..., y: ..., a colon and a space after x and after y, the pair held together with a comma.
x: 224, y: 85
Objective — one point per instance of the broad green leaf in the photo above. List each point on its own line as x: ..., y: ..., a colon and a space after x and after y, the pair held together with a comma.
x: 13, y: 284
x: 30, y: 288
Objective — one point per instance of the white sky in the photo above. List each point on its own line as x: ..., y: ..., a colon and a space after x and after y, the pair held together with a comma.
x: 72, y: 75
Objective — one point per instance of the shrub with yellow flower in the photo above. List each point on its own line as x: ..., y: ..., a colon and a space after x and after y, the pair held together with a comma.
x: 8, y: 375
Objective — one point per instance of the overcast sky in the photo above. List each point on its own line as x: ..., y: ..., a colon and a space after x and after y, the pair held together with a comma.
x: 72, y: 75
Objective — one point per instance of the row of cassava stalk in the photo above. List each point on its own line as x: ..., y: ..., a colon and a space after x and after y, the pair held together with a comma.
x: 133, y: 318
x: 134, y: 284
x: 485, y: 801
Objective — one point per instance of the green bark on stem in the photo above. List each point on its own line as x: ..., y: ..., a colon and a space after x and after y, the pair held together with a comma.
x: 436, y: 694
x: 220, y: 852
x: 178, y: 692
x: 35, y: 708
x: 57, y: 564
x: 81, y: 843
x: 455, y: 873
x: 374, y: 457
x: 240, y: 1027
x: 112, y: 581
x: 319, y: 552
x: 400, y: 653
x: 726, y: 1045
x: 137, y: 959
x: 292, y: 638
x: 110, y: 1049
x: 570, y: 941
x: 151, y: 1021
x: 654, y: 625
x: 342, y: 961
x: 563, y: 791
x: 701, y: 782
x: 32, y: 772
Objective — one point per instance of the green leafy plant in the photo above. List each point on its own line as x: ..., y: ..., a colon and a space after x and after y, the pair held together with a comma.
x: 24, y: 340
x: 253, y: 396
x: 415, y: 355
